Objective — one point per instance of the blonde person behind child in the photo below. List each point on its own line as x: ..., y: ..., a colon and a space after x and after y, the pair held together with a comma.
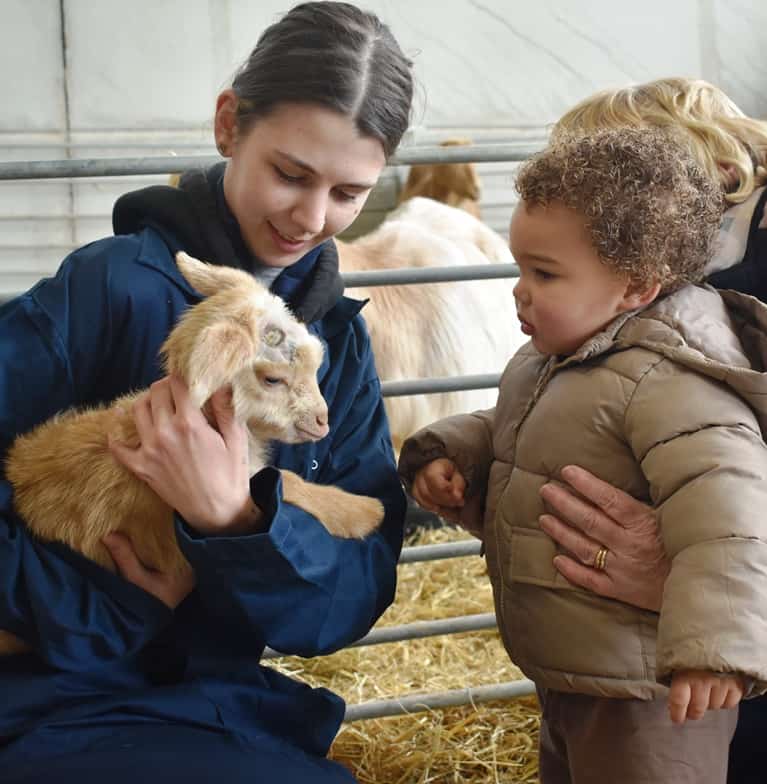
x: 645, y: 380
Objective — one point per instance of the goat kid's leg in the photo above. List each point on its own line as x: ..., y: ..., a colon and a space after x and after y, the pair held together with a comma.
x: 346, y: 515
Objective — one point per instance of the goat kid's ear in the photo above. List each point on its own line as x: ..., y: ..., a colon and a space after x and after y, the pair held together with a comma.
x: 220, y: 352
x: 210, y: 278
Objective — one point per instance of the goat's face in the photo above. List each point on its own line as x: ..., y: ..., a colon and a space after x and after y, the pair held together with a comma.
x: 279, y: 397
x: 244, y: 337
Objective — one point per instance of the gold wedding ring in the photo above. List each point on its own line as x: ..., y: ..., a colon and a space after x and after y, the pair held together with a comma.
x: 600, y: 559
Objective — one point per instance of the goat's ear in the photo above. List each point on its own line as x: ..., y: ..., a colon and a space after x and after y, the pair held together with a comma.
x: 210, y: 278
x: 219, y: 353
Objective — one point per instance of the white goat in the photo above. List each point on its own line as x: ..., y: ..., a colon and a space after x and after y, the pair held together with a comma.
x: 68, y: 488
x: 442, y: 329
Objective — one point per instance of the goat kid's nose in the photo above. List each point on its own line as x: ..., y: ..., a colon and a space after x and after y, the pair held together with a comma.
x: 322, y: 420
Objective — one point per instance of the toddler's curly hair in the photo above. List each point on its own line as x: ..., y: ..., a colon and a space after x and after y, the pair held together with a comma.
x: 651, y: 210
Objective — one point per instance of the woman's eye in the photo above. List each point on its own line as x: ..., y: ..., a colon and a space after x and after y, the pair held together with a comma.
x: 346, y: 196
x: 544, y: 275
x: 283, y: 175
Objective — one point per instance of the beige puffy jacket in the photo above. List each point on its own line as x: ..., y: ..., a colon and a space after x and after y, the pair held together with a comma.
x: 664, y: 405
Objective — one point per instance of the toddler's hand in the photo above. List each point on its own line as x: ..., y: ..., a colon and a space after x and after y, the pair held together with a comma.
x: 693, y: 692
x: 439, y: 487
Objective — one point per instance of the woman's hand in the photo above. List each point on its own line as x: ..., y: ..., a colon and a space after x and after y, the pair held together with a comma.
x: 170, y: 589
x: 634, y: 565
x: 199, y: 470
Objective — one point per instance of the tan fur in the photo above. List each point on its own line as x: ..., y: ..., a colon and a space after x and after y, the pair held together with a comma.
x: 455, y: 184
x: 68, y: 487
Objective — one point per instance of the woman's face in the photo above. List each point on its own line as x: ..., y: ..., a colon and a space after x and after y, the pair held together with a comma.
x: 297, y: 177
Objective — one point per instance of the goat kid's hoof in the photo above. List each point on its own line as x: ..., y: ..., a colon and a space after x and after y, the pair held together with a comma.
x: 364, y: 516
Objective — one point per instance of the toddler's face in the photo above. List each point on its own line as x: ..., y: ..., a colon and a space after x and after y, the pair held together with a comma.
x: 565, y: 294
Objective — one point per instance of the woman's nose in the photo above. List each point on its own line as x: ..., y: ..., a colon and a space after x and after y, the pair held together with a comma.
x: 310, y: 214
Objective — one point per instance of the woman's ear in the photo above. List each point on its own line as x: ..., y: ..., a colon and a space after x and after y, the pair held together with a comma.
x: 638, y: 295
x: 225, y: 123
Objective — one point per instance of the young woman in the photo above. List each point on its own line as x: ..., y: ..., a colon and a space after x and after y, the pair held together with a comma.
x: 145, y: 677
x: 608, y: 523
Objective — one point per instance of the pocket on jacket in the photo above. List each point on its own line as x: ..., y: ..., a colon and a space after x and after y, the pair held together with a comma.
x: 531, y: 559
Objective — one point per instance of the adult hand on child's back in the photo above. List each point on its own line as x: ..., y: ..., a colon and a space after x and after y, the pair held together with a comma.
x: 199, y: 470
x: 632, y: 566
x: 693, y: 692
x: 439, y: 487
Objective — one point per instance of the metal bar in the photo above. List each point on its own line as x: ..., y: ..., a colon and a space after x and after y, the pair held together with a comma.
x: 416, y: 631
x: 169, y: 140
x: 392, y: 277
x: 166, y: 164
x: 416, y: 703
x: 435, y: 552
x: 426, y: 386
x: 407, y: 275
x: 418, y: 386
x: 103, y: 167
x: 420, y: 629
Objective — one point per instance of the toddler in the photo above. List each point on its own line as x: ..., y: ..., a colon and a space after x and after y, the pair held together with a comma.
x: 654, y: 383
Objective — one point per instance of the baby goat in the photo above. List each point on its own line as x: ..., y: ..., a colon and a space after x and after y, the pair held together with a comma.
x: 68, y: 488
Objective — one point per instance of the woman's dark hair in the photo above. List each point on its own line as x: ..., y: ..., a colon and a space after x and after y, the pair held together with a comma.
x: 334, y: 55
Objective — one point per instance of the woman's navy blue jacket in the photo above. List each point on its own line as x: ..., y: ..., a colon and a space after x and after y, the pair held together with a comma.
x: 107, y: 654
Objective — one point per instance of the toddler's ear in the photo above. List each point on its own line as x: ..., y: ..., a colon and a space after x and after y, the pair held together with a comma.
x: 638, y: 296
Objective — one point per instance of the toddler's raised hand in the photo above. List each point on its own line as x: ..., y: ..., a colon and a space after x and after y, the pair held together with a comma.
x: 439, y: 487
x: 693, y: 692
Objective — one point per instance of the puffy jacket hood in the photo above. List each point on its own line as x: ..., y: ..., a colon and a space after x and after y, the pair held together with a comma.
x: 726, y: 341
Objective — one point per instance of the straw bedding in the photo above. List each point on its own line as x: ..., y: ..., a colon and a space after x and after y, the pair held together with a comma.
x: 490, y: 742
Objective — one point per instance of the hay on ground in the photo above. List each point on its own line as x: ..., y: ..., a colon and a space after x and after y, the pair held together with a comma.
x: 490, y: 742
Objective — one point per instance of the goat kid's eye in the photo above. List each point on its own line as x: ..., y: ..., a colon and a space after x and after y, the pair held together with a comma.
x: 272, y: 381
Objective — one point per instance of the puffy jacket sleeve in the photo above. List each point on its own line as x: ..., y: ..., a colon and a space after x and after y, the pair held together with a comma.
x: 701, y: 449
x: 295, y: 587
x: 70, y: 611
x: 467, y: 440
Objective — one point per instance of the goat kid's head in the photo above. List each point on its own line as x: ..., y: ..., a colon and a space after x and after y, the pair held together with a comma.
x: 243, y: 336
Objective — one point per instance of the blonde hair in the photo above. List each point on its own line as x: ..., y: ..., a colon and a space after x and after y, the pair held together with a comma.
x: 720, y: 135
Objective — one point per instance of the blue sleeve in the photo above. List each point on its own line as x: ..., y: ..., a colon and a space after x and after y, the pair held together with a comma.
x: 295, y: 587
x: 72, y: 612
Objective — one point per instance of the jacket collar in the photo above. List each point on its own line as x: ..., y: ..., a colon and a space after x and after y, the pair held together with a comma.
x: 195, y: 217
